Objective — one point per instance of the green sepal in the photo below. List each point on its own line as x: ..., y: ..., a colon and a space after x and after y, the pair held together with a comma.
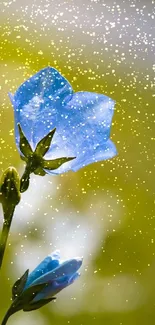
x: 55, y: 163
x: 30, y: 293
x: 25, y: 300
x: 39, y: 171
x: 37, y: 304
x: 19, y: 285
x: 24, y: 158
x: 35, y: 163
x: 25, y: 181
x: 10, y: 187
x: 26, y: 296
x: 24, y: 145
x: 44, y: 144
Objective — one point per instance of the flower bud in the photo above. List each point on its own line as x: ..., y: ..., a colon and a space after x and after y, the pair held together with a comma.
x: 10, y: 187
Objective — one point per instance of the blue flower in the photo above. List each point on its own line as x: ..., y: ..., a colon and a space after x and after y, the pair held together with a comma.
x: 58, y: 275
x: 82, y: 120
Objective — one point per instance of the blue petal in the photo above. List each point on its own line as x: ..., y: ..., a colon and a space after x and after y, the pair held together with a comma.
x: 73, y: 278
x: 83, y: 131
x: 56, y: 286
x: 35, y: 101
x: 67, y: 268
x: 47, y: 265
x: 105, y: 151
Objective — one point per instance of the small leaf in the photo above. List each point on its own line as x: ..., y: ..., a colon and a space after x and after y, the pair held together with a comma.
x: 44, y: 144
x: 30, y: 293
x: 56, y: 163
x: 19, y: 285
x: 37, y: 304
x: 24, y: 145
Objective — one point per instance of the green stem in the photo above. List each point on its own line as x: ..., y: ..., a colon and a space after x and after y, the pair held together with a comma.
x: 5, y: 319
x: 8, y: 214
x: 10, y: 312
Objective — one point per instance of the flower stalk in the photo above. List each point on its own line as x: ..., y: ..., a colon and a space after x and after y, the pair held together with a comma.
x: 9, y: 198
x: 7, y: 316
x: 8, y: 215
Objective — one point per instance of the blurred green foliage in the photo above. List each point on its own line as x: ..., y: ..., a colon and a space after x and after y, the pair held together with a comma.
x: 127, y: 181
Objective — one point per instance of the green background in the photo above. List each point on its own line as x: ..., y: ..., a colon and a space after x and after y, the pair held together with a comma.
x: 105, y: 211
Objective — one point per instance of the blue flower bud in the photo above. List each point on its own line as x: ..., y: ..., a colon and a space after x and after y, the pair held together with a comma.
x: 56, y: 274
x: 38, y: 288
